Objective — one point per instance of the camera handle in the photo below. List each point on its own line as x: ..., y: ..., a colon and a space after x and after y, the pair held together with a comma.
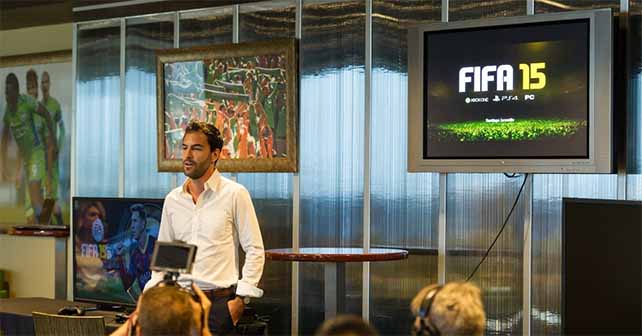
x: 170, y: 278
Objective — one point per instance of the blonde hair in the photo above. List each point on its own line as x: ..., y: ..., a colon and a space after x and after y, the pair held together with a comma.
x: 457, y: 308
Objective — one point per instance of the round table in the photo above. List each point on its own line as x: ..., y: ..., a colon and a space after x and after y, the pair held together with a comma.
x: 334, y: 259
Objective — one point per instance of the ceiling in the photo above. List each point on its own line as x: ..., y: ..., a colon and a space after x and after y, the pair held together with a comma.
x: 16, y: 14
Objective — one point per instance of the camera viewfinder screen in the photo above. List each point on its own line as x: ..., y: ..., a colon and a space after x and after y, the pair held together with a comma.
x: 113, y: 243
x: 175, y: 257
x: 518, y: 91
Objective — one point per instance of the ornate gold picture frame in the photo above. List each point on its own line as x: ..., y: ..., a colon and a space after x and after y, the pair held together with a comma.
x: 249, y: 91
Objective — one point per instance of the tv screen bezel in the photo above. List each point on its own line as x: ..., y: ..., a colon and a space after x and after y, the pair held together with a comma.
x: 73, y: 243
x: 600, y: 143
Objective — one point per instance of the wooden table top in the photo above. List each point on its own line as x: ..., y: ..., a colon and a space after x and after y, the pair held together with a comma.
x: 335, y: 254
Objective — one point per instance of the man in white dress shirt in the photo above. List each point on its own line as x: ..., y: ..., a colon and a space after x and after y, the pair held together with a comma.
x: 216, y: 214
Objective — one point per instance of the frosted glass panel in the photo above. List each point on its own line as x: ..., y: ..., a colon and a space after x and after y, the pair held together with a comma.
x: 477, y: 205
x: 98, y: 112
x: 144, y: 36
x: 404, y: 207
x: 545, y: 6
x: 634, y: 94
x: 634, y: 187
x: 331, y: 145
x: 391, y: 293
x: 271, y: 192
x: 206, y: 27
x: 476, y: 9
x: 267, y: 20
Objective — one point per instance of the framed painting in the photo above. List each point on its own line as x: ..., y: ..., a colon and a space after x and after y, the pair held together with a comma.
x: 249, y: 91
x: 35, y: 109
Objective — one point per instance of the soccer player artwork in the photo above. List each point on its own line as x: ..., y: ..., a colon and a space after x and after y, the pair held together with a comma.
x: 35, y: 114
x: 247, y: 90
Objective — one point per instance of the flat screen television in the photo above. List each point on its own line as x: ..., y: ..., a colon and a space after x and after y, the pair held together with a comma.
x: 518, y: 94
x: 113, y: 242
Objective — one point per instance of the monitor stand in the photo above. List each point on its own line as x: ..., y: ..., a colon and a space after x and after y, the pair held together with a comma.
x: 112, y: 307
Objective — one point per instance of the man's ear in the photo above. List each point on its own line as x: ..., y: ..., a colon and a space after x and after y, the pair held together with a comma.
x: 216, y: 153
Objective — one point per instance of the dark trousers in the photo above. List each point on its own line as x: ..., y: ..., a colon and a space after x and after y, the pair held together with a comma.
x: 220, y: 320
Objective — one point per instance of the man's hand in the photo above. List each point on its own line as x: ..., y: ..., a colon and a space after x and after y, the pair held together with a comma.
x: 206, y: 305
x: 236, y: 308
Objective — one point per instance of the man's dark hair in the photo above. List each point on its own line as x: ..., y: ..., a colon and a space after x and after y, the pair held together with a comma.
x: 32, y: 75
x: 12, y: 79
x: 165, y: 311
x: 99, y: 206
x: 345, y: 325
x: 213, y: 135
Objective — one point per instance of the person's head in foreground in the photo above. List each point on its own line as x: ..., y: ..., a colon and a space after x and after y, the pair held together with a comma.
x: 170, y: 310
x: 346, y: 325
x: 453, y: 309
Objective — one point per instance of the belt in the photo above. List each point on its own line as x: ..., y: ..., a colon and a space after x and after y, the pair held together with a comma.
x: 220, y: 292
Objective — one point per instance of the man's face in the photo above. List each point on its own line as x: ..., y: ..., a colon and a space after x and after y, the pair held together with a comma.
x: 32, y: 88
x: 196, y: 155
x: 92, y: 214
x: 137, y: 224
x: 44, y: 84
x: 11, y: 93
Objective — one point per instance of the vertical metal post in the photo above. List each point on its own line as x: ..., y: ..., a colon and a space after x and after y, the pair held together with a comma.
x: 365, y: 298
x: 624, y: 6
x: 527, y: 256
x: 443, y: 186
x: 441, y: 229
x: 296, y: 193
x: 235, y: 23
x: 177, y: 43
x: 72, y: 174
x: 60, y: 271
x: 235, y: 39
x: 527, y: 253
x: 121, y: 133
x: 623, y: 26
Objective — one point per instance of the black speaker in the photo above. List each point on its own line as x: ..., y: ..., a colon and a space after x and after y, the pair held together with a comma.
x: 601, y: 267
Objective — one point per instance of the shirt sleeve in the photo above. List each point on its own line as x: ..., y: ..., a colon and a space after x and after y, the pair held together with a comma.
x: 166, y: 234
x: 251, y: 241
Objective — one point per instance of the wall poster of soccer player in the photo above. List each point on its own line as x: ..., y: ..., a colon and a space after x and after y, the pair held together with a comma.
x: 249, y: 91
x: 35, y: 114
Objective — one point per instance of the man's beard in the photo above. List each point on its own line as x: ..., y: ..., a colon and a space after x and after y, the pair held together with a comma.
x: 197, y: 171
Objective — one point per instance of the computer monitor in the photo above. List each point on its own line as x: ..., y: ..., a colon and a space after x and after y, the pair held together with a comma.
x: 113, y: 242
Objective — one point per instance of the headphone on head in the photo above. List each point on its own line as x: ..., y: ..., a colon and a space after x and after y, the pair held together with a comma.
x: 425, y: 325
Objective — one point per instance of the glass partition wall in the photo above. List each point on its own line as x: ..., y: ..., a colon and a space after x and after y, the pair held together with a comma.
x: 352, y: 188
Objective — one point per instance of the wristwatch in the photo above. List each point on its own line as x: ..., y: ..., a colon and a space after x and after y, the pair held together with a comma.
x: 245, y: 299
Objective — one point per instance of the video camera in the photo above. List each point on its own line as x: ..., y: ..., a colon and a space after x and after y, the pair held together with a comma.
x: 172, y: 259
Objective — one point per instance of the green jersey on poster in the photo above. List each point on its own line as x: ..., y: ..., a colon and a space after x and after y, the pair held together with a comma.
x: 26, y: 127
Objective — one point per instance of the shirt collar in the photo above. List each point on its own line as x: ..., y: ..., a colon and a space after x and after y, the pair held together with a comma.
x: 211, y: 183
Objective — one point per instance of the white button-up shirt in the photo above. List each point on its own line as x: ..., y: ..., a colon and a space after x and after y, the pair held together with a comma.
x: 222, y: 217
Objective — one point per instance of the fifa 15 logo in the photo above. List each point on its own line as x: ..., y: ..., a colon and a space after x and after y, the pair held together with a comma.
x: 533, y: 77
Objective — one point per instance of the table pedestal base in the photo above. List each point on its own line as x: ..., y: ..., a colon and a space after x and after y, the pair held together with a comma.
x: 335, y: 288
